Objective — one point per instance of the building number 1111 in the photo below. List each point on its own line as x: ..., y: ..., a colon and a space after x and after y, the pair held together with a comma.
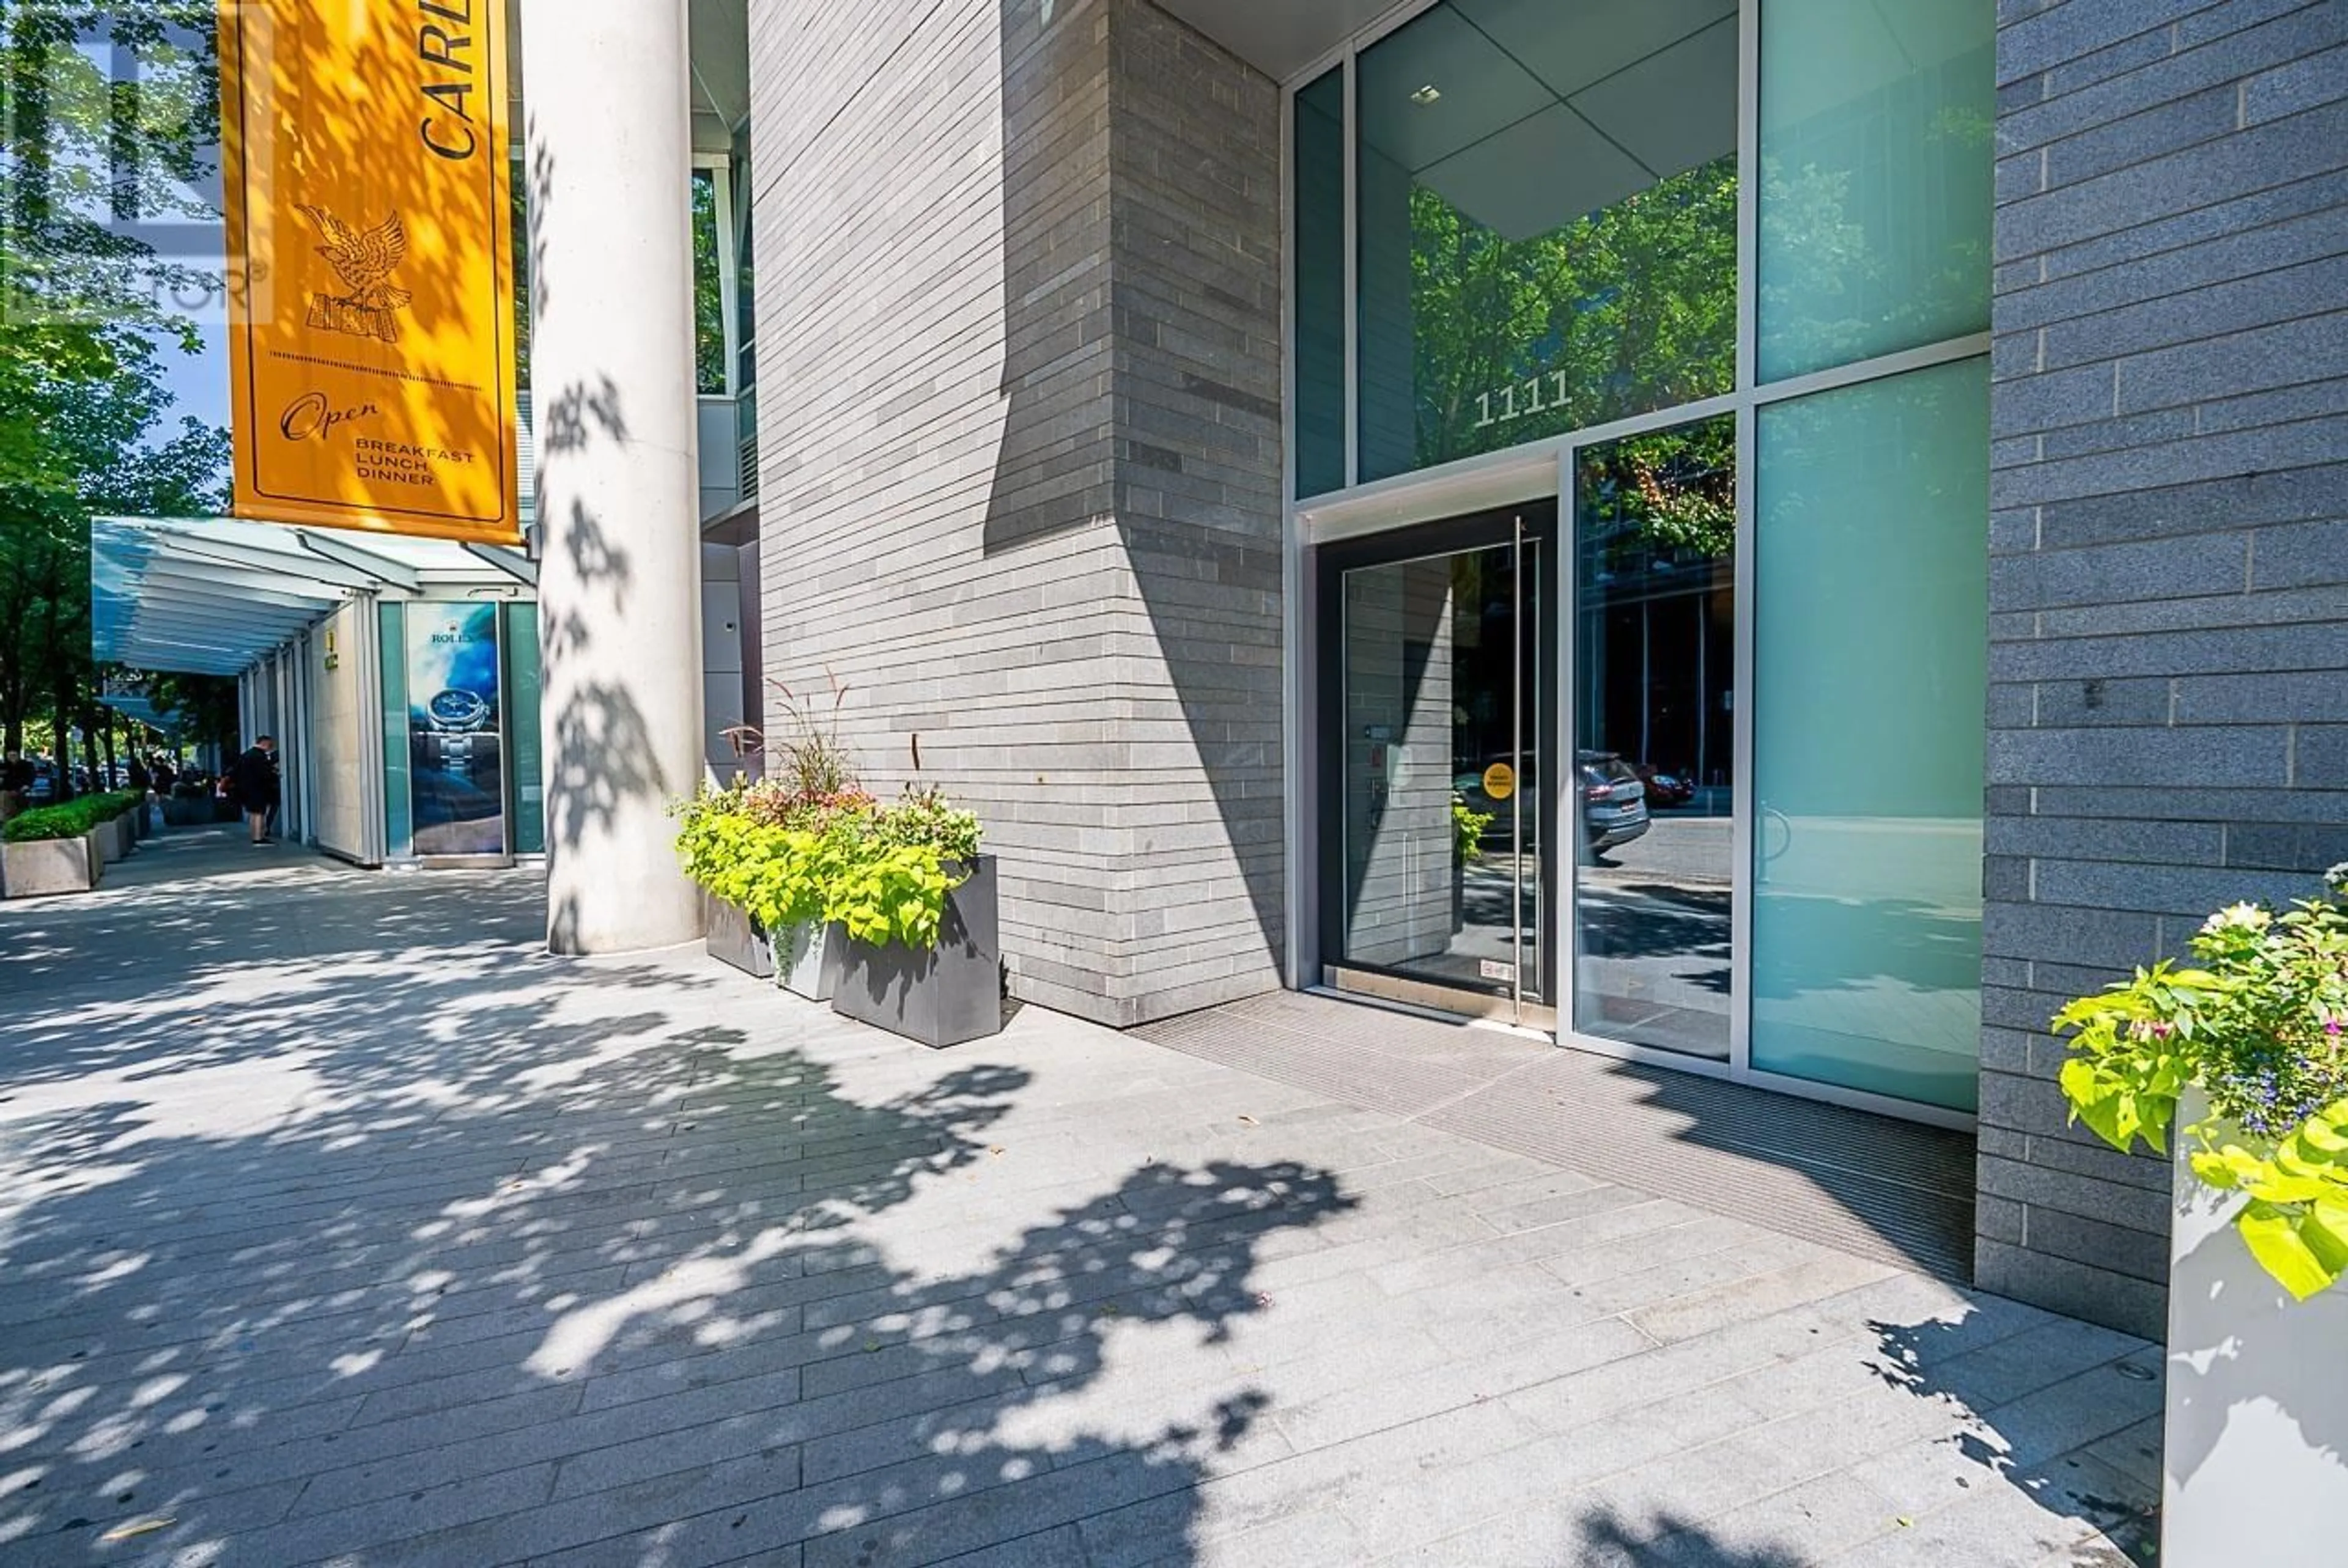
x: 1510, y: 409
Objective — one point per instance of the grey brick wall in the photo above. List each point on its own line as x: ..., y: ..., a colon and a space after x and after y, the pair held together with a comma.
x: 1019, y: 378
x: 2169, y: 590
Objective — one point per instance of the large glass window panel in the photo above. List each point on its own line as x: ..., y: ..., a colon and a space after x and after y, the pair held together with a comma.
x: 1654, y: 660
x: 399, y: 819
x: 1870, y: 659
x: 1319, y: 285
x: 1876, y: 147
x: 527, y: 779
x: 709, y: 248
x: 1546, y: 211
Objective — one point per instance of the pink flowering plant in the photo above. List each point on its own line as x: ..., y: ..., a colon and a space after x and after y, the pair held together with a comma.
x: 2259, y: 1023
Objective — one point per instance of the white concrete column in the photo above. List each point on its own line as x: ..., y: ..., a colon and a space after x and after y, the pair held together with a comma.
x: 607, y: 122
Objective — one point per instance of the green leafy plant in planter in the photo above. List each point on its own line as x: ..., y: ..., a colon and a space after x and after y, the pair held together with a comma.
x: 2260, y: 1025
x: 1468, y: 829
x: 70, y: 820
x: 769, y: 850
x: 892, y: 868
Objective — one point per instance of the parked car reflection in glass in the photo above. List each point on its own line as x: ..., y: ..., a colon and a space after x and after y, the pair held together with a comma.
x: 1613, y: 801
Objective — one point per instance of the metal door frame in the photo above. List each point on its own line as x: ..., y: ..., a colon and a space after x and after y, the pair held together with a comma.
x: 1535, y: 523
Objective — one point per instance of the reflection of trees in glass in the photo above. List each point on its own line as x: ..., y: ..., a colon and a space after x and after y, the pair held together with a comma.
x: 520, y: 191
x: 708, y: 297
x: 1629, y: 309
x: 1670, y: 494
x: 1875, y: 221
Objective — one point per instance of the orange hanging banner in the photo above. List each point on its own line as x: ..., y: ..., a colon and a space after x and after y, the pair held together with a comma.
x: 371, y: 264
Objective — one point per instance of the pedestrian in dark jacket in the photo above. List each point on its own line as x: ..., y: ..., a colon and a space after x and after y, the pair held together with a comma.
x: 254, y: 781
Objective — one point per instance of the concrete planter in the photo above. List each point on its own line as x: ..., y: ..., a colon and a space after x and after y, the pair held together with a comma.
x: 45, y: 866
x: 943, y: 996
x: 2256, y: 1432
x: 807, y: 957
x: 732, y: 939
x: 187, y: 811
x: 112, y: 838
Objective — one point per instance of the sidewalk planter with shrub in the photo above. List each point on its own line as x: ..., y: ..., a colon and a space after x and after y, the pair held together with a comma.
x: 44, y: 866
x: 735, y: 938
x: 913, y: 903
x: 941, y: 989
x: 2240, y: 1061
x: 886, y: 911
x: 57, y: 849
x: 764, y: 856
x: 806, y: 959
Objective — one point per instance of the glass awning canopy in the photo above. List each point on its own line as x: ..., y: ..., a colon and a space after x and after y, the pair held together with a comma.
x: 211, y: 596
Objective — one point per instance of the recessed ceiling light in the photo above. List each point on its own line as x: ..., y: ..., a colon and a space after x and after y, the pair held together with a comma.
x: 1426, y: 94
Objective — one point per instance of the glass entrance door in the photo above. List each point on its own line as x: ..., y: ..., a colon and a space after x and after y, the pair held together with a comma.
x: 1438, y: 727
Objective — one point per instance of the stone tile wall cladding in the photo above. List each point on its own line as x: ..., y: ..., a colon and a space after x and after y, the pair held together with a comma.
x: 2168, y: 704
x: 1019, y: 304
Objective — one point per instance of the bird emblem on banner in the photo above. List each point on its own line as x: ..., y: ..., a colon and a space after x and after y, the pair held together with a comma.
x: 363, y: 260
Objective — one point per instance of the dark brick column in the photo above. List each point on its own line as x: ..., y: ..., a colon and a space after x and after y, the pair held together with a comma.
x: 2169, y: 588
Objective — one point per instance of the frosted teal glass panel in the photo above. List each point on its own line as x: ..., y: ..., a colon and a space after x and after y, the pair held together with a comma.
x: 1876, y: 147
x: 526, y: 779
x: 398, y: 809
x: 1870, y: 656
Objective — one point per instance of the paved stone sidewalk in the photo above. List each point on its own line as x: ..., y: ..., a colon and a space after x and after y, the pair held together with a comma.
x: 337, y: 1225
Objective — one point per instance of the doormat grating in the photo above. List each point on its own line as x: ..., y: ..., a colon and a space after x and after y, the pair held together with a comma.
x: 1894, y: 1191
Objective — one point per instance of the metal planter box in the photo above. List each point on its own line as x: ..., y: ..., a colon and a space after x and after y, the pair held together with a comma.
x: 2254, y: 1473
x: 943, y: 996
x: 807, y: 959
x: 734, y: 940
x: 46, y: 866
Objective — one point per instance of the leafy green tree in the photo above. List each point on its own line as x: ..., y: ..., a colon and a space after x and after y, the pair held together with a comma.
x: 92, y: 152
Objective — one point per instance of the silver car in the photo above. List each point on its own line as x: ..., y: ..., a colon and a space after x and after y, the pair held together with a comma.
x: 1613, y: 800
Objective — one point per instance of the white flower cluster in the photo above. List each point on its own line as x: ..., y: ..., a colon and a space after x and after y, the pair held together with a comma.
x: 2238, y: 918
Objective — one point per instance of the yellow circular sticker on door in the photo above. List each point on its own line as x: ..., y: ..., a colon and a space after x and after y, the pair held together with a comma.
x: 1500, y: 780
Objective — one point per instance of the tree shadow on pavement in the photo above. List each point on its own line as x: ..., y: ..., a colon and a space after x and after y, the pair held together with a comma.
x: 1611, y: 1539
x: 442, y: 1251
x: 2066, y: 1414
